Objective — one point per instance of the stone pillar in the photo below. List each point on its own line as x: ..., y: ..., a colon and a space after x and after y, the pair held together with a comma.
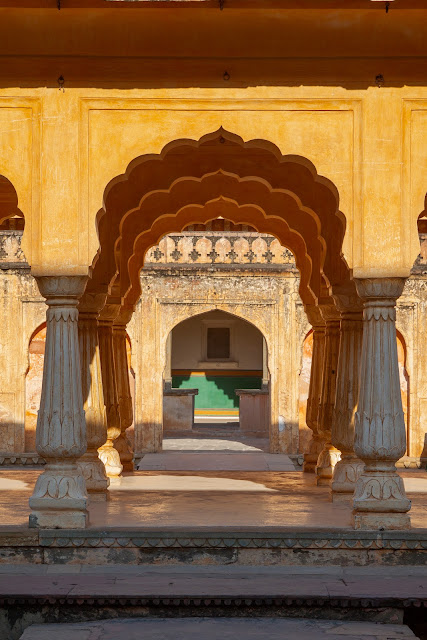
x: 90, y: 465
x: 108, y: 454
x: 379, y: 498
x: 350, y: 466
x: 123, y: 388
x: 315, y: 387
x: 329, y: 455
x: 59, y: 499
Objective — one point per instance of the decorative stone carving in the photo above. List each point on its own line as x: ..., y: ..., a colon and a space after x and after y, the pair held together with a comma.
x: 380, y: 500
x: 123, y: 389
x: 329, y: 455
x: 90, y: 465
x: 59, y: 499
x: 108, y: 454
x: 315, y: 387
x: 349, y: 467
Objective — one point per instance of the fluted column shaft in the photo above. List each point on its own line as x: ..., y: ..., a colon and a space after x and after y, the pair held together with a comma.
x: 108, y: 454
x: 350, y: 466
x: 59, y: 499
x: 329, y: 455
x: 124, y: 395
x: 90, y: 465
x: 313, y: 399
x: 379, y: 499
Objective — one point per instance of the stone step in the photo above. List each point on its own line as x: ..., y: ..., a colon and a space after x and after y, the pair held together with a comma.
x: 219, y: 628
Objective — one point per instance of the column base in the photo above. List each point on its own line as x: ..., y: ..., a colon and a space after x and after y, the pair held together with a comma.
x: 310, y: 462
x: 125, y: 453
x: 328, y: 458
x: 111, y: 460
x: 61, y: 519
x: 59, y: 500
x: 93, y: 471
x: 128, y: 466
x: 342, y: 498
x: 346, y: 474
x: 381, y: 521
x: 312, y: 455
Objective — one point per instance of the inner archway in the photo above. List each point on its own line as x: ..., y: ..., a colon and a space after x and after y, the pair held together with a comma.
x: 219, y: 381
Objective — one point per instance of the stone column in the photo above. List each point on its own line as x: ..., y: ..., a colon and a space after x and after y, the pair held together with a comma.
x: 315, y: 387
x: 59, y: 499
x: 350, y: 466
x: 108, y: 454
x: 329, y: 455
x: 90, y: 465
x: 123, y: 388
x: 379, y: 498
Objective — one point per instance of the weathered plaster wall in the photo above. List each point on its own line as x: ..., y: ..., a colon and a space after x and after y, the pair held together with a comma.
x: 270, y: 302
x: 22, y: 310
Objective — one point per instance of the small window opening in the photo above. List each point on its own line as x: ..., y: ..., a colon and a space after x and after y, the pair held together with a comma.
x: 218, y: 342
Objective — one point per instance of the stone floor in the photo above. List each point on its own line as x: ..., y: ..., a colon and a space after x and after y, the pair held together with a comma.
x: 205, y: 459
x: 213, y: 629
x: 209, y: 499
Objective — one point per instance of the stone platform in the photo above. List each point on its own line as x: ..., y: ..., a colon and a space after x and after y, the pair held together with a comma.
x: 225, y: 628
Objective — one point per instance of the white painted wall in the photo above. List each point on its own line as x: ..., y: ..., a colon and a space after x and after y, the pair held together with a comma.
x: 188, y: 342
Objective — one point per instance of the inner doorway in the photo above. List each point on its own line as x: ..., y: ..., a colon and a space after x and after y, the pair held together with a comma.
x: 216, y: 382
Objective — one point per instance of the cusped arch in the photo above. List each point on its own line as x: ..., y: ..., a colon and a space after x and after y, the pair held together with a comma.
x: 237, y: 214
x: 8, y: 200
x: 220, y: 150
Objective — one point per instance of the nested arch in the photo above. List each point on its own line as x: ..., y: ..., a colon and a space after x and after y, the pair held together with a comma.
x: 257, y: 163
x: 309, y: 286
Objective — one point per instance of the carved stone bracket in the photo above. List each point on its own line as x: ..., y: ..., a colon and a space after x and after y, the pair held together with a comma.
x: 380, y: 500
x: 59, y: 499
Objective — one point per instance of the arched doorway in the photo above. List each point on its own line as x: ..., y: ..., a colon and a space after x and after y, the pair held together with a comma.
x: 218, y: 371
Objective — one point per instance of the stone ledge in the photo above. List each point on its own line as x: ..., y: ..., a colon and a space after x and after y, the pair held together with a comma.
x: 268, y: 538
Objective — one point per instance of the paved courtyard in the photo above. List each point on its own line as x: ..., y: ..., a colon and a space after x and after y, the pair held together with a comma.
x: 153, y: 499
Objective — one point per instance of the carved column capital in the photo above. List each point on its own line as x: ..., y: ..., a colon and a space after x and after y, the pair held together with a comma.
x: 92, y: 303
x: 381, y: 289
x: 62, y: 288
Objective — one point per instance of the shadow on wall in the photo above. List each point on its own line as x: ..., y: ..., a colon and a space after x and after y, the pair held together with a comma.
x: 216, y: 391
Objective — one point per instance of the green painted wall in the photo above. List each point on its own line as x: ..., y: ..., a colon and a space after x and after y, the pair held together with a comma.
x: 216, y: 391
